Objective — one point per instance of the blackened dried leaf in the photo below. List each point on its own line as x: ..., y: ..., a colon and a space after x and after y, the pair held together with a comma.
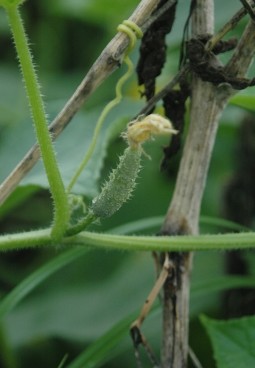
x: 153, y: 50
x: 174, y: 105
x: 207, y: 67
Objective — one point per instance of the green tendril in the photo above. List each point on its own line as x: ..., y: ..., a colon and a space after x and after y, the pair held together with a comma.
x: 133, y: 32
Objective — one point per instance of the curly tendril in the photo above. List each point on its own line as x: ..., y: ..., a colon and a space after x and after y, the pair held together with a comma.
x: 133, y: 31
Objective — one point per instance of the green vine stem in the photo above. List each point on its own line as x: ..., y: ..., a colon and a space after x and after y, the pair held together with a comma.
x: 31, y: 239
x: 164, y: 243
x: 82, y: 224
x: 61, y: 211
x: 185, y: 243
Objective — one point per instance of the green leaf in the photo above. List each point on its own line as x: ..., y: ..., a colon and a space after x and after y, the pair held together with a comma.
x: 232, y: 341
x: 104, y: 348
x: 109, y: 344
x: 84, y: 317
x: 244, y: 100
x: 17, y: 136
x: 6, y: 3
x: 220, y: 283
x: 36, y: 278
x: 70, y: 147
x: 19, y: 196
x: 97, y: 353
x: 93, y: 11
x: 155, y: 222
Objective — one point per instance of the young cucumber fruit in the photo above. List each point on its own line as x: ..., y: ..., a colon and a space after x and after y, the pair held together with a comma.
x: 117, y: 190
x: 122, y: 180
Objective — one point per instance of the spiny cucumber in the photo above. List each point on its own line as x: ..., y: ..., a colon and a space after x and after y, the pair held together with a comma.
x: 122, y: 180
x: 118, y: 189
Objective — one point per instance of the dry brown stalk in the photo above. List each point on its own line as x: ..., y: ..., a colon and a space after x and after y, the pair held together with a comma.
x: 207, y: 104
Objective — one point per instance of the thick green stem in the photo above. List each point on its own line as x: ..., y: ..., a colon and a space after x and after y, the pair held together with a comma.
x: 187, y: 243
x: 31, y: 239
x: 61, y: 211
x: 165, y: 243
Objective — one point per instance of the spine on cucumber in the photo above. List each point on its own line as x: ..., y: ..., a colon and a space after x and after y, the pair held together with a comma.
x: 120, y: 185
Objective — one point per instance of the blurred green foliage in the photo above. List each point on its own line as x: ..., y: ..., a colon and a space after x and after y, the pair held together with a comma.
x: 89, y: 301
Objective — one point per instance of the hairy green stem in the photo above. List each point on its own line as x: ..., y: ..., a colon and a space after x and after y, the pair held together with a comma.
x: 166, y: 243
x: 61, y: 211
x: 186, y: 243
x: 81, y: 225
x: 30, y: 239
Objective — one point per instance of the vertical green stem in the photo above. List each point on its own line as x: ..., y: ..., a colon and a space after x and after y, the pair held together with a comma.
x: 61, y: 211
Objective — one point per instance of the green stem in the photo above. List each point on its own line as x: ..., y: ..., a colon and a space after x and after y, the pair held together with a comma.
x: 81, y: 225
x: 165, y: 243
x: 61, y: 211
x: 31, y: 239
x: 29, y: 283
x: 185, y: 243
